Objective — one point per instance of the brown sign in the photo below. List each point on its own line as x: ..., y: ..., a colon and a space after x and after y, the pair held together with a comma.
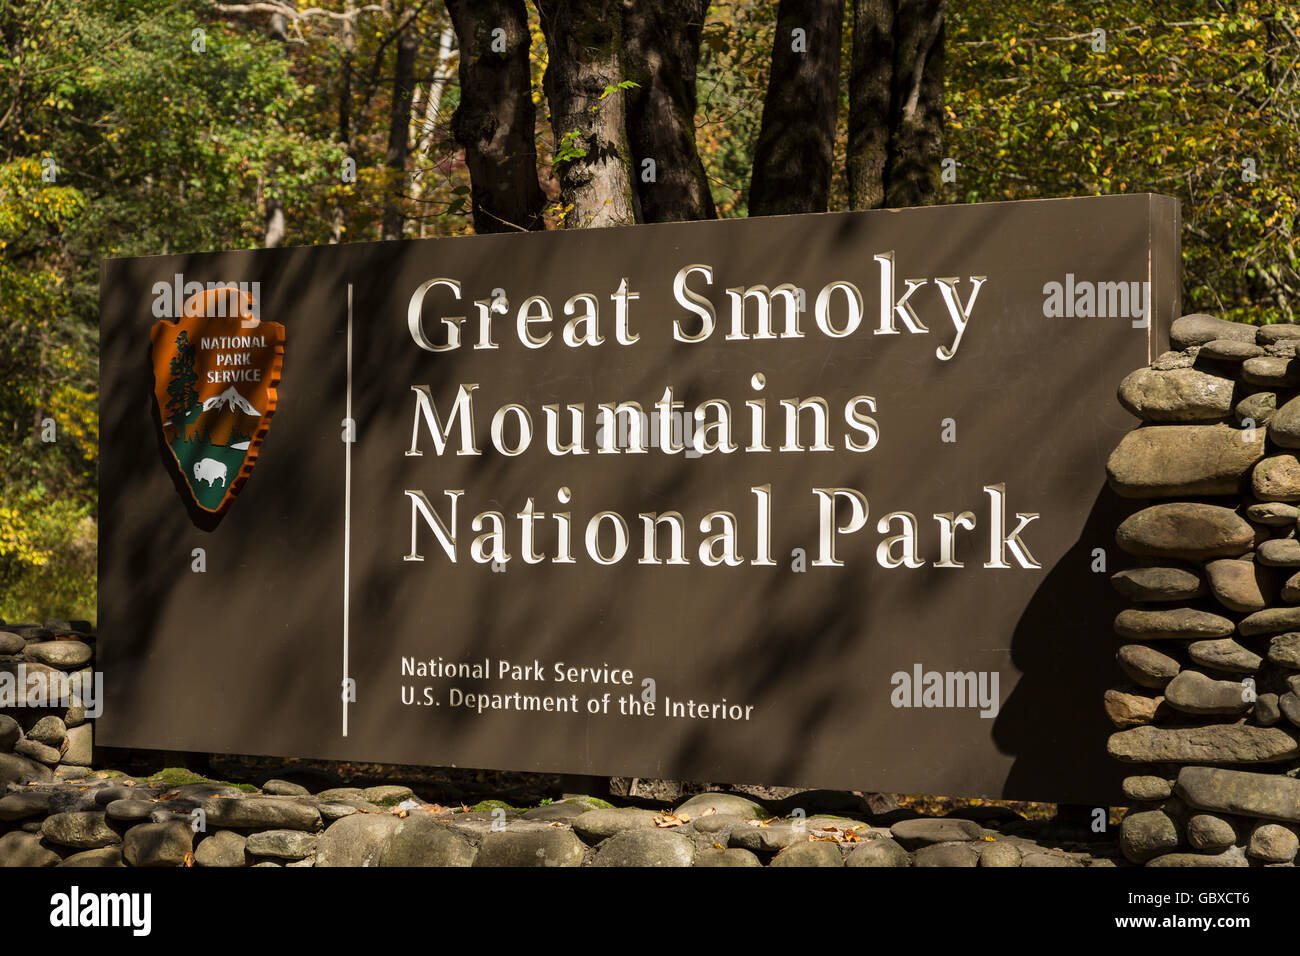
x: 808, y: 500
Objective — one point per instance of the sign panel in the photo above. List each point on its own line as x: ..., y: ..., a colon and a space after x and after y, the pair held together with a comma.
x: 803, y: 500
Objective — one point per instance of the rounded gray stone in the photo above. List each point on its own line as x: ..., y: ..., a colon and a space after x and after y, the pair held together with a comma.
x: 1225, y: 655
x: 1147, y: 834
x: 1165, y: 461
x: 1271, y: 371
x: 1210, y: 833
x: 1256, y: 410
x: 1146, y: 666
x: 1230, y: 350
x: 550, y: 846
x: 222, y: 849
x: 1184, y: 529
x: 49, y: 731
x: 1273, y: 620
x: 1267, y: 712
x: 911, y: 834
x: 65, y: 655
x: 39, y: 752
x: 18, y: 848
x: 1238, y: 585
x: 1271, y: 796
x: 130, y: 810
x: 999, y: 854
x: 80, y: 750
x: 1158, y: 584
x: 722, y: 803
x: 1146, y: 788
x: 1179, y: 395
x: 646, y: 848
x: 1193, y: 693
x: 260, y: 813
x: 1233, y: 856
x: 11, y: 643
x: 1273, y: 843
x: 421, y: 840
x: 1198, y: 328
x: 596, y: 825
x: 882, y: 851
x: 1183, y: 623
x: 1284, y: 649
x: 284, y: 788
x: 282, y: 844
x: 1215, y: 744
x: 946, y: 854
x: 81, y: 830
x: 731, y: 856
x: 158, y: 844
x: 814, y: 853
x: 107, y: 857
x: 356, y: 840
x: 10, y: 732
x: 1276, y: 332
x: 1277, y: 478
x: 1273, y: 514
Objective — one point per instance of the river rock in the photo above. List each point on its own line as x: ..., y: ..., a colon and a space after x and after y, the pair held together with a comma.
x: 882, y: 851
x: 1166, y: 461
x: 108, y: 857
x: 1289, y: 705
x: 158, y: 844
x: 1277, y: 478
x: 1209, y: 833
x: 284, y: 788
x: 1182, y: 623
x: 1271, y: 371
x: 1193, y: 693
x: 1233, y: 856
x: 1198, y: 328
x: 1130, y: 710
x: 1230, y: 350
x: 17, y: 769
x: 49, y: 731
x: 946, y: 854
x: 11, y: 643
x: 1267, y: 712
x: 1273, y: 843
x: 1185, y: 529
x: 10, y: 732
x: 1158, y: 584
x: 36, y: 751
x: 260, y: 813
x: 1146, y: 834
x: 656, y: 848
x: 225, y: 848
x: 1256, y: 410
x: 550, y: 846
x: 1274, y: 514
x: 1224, y: 655
x: 1216, y: 743
x: 420, y: 840
x: 1272, y: 796
x: 1238, y: 585
x: 1273, y: 620
x: 356, y: 840
x: 999, y: 854
x: 282, y: 844
x: 18, y: 848
x: 1284, y: 649
x: 1145, y: 788
x: 721, y: 803
x: 596, y: 825
x: 83, y: 830
x: 1276, y: 332
x: 1177, y: 395
x: 1279, y: 553
x: 65, y: 655
x: 1146, y: 666
x: 731, y: 856
x: 912, y: 834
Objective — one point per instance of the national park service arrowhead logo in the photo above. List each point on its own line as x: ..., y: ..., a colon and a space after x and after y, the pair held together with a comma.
x: 215, y: 372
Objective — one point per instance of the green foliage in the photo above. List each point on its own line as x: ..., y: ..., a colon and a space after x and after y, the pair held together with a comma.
x: 1186, y: 98
x: 47, y: 557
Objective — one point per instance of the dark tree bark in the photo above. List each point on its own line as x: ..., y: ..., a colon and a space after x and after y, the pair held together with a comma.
x: 495, y: 121
x: 584, y: 40
x: 661, y: 50
x: 348, y: 43
x: 399, y: 127
x: 792, y: 161
x: 896, y: 103
x: 913, y: 175
x: 870, y: 96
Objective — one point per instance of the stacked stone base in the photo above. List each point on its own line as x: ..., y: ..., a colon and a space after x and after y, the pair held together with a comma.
x: 42, y: 728
x: 110, y: 820
x: 1209, y: 713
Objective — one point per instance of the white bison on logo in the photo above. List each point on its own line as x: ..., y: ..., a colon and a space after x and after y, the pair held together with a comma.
x: 210, y: 471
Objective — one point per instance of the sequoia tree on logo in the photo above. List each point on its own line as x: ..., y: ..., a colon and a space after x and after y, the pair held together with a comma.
x: 215, y: 370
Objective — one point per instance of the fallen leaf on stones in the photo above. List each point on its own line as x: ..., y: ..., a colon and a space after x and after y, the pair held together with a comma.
x: 189, y: 859
x: 557, y: 823
x: 988, y: 839
x: 718, y: 846
x: 665, y: 820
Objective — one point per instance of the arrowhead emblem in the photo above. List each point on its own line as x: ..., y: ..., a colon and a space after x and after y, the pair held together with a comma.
x: 215, y: 372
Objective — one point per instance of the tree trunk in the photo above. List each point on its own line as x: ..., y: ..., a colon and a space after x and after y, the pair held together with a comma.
x: 583, y: 41
x: 661, y: 49
x: 792, y: 161
x: 348, y: 43
x: 913, y: 175
x: 495, y: 121
x: 399, y: 128
x: 870, y: 99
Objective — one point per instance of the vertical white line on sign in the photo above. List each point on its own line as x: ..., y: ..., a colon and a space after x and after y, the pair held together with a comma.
x: 347, y: 513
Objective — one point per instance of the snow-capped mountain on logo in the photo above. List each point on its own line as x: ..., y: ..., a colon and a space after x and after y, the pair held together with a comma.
x: 232, y: 400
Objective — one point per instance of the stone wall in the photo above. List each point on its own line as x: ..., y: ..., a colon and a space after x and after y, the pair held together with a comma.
x: 1208, y: 714
x: 42, y: 727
